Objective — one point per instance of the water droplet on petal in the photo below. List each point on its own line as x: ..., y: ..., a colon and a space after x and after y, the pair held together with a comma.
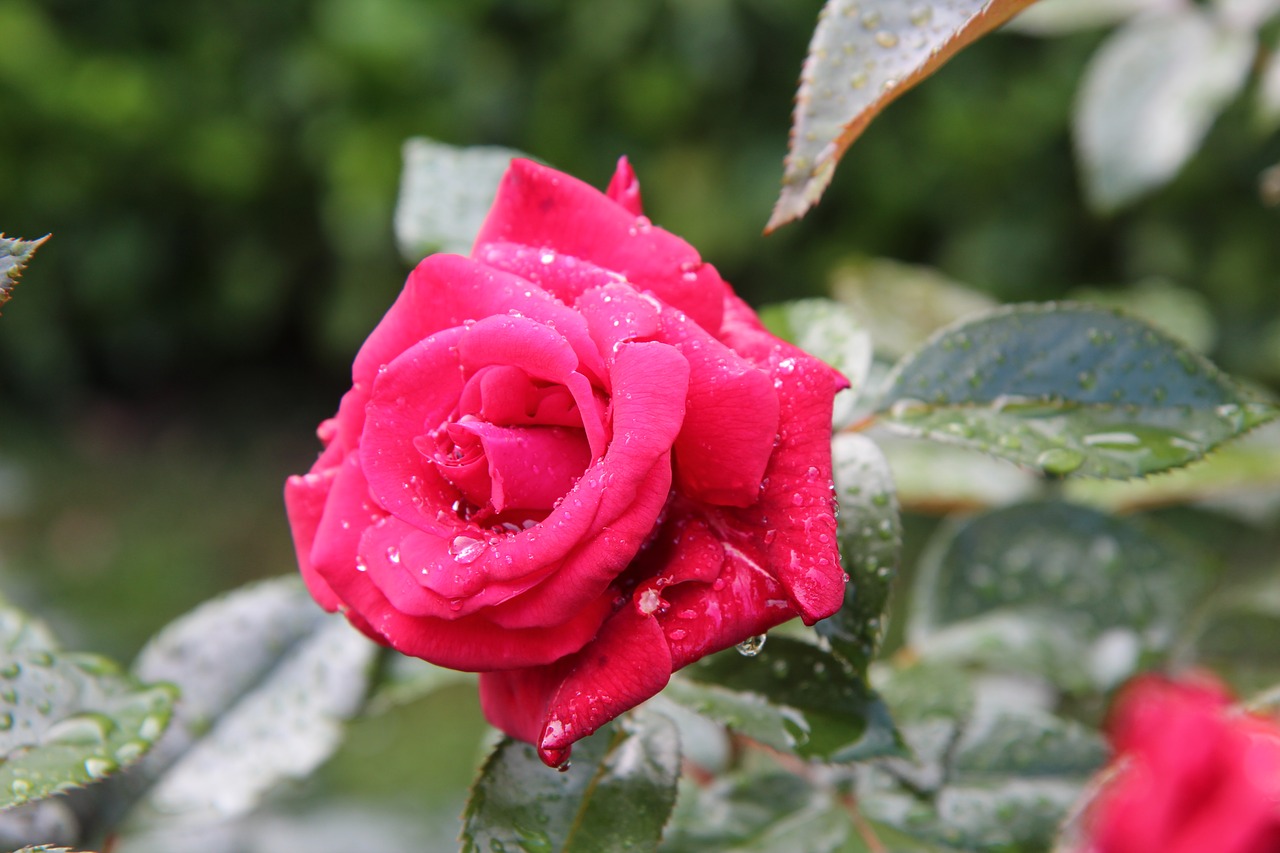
x: 751, y: 646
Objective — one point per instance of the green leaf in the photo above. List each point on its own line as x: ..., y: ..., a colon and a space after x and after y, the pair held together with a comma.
x: 1072, y: 594
x: 762, y: 812
x: 1069, y: 389
x: 992, y: 769
x: 21, y: 632
x: 445, y: 195
x: 69, y: 719
x: 870, y: 532
x: 15, y: 254
x: 1149, y: 96
x: 1238, y: 635
x: 846, y: 720
x: 746, y: 713
x: 616, y: 795
x: 830, y: 331
x: 864, y: 55
x: 268, y: 678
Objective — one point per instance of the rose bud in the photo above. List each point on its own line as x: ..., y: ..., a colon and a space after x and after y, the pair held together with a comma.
x: 573, y: 462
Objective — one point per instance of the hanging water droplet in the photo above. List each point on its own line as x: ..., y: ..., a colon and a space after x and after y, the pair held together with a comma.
x: 751, y: 646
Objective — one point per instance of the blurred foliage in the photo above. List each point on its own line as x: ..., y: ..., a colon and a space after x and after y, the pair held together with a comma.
x: 221, y: 178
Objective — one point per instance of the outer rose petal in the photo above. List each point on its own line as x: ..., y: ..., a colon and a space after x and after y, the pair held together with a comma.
x: 551, y: 707
x: 304, y: 500
x: 537, y: 206
x: 624, y: 188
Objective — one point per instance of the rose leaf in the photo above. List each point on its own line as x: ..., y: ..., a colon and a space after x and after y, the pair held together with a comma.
x: 767, y: 812
x: 1149, y: 96
x: 617, y: 793
x: 1236, y: 637
x: 445, y: 194
x: 1070, y: 389
x: 870, y: 531
x: 267, y: 680
x: 749, y: 714
x: 69, y: 719
x: 864, y: 55
x: 14, y: 256
x: 1070, y: 594
x: 846, y: 719
x: 990, y: 767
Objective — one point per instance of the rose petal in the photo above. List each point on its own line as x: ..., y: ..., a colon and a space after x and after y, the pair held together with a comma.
x: 304, y: 500
x: 554, y: 706
x: 530, y: 467
x: 539, y: 207
x: 447, y: 290
x: 624, y: 188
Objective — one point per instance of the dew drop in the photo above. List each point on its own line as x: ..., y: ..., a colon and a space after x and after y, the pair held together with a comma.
x: 751, y: 646
x: 100, y: 767
x: 1060, y: 461
x: 884, y: 38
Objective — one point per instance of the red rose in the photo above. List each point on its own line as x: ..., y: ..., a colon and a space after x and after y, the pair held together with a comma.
x: 574, y: 462
x: 1191, y: 775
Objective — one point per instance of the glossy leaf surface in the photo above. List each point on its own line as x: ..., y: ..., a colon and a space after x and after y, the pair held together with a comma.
x: 616, y: 795
x: 268, y: 679
x: 15, y: 255
x: 1057, y: 590
x: 1069, y: 389
x: 864, y: 55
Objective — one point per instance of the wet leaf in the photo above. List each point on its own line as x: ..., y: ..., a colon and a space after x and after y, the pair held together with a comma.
x: 22, y: 632
x: 1238, y: 635
x: 864, y: 55
x: 832, y: 332
x: 746, y: 713
x: 937, y: 479
x: 763, y: 812
x: 1069, y: 389
x: 846, y: 719
x: 1076, y: 596
x: 15, y: 255
x: 445, y: 194
x: 991, y: 767
x: 268, y: 678
x: 1149, y: 96
x: 69, y: 719
x: 1060, y: 17
x: 870, y: 531
x: 616, y: 795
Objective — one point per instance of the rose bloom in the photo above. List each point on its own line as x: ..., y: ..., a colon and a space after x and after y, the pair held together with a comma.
x: 573, y: 462
x: 1191, y: 775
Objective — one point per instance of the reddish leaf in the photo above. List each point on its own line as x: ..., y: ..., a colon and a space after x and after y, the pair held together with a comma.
x: 863, y: 55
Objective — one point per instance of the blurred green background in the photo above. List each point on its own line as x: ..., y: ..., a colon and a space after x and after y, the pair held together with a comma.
x: 220, y: 180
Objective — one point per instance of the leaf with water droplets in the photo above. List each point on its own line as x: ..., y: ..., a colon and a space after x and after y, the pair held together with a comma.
x: 616, y: 795
x: 22, y: 632
x: 990, y: 767
x: 759, y: 809
x: 846, y: 719
x: 832, y: 332
x: 870, y: 531
x: 864, y: 54
x: 1149, y: 96
x: 746, y: 713
x: 1077, y: 596
x: 1237, y: 634
x: 1070, y: 389
x: 15, y: 254
x: 445, y: 195
x: 69, y: 719
x: 268, y: 679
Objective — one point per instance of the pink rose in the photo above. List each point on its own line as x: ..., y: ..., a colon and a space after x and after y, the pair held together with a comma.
x: 574, y: 462
x: 1191, y: 775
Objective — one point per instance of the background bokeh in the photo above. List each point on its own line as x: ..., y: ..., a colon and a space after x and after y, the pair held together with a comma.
x: 220, y: 180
